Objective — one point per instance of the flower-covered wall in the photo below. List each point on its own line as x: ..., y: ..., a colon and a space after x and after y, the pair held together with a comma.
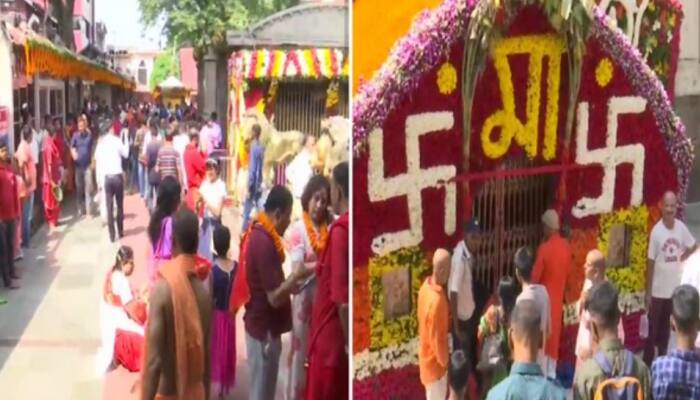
x: 626, y: 148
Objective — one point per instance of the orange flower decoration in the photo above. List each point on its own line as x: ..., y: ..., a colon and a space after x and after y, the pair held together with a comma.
x: 318, y: 241
x: 266, y: 224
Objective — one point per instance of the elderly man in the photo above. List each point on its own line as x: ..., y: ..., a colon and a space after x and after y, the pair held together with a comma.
x: 433, y: 323
x: 670, y: 243
x: 553, y: 265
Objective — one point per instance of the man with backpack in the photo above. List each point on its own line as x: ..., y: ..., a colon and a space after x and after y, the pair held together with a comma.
x: 613, y: 372
x: 526, y: 381
x: 676, y: 376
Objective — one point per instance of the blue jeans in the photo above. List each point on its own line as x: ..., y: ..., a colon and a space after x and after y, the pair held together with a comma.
x: 250, y: 202
x: 142, y: 180
x: 27, y: 219
x: 134, y: 161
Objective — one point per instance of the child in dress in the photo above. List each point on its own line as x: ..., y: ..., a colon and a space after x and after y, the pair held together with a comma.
x: 223, y: 332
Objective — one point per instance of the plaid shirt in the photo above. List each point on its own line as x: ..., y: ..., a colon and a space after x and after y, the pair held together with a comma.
x: 676, y: 376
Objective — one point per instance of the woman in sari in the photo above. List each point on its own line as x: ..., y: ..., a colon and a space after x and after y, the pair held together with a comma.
x: 160, y: 228
x: 122, y: 318
x: 51, y: 176
x: 306, y: 239
x: 212, y: 194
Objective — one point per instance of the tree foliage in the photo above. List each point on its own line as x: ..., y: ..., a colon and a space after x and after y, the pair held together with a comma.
x: 203, y: 23
x: 164, y: 66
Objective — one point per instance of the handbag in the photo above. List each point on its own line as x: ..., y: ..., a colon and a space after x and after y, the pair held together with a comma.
x: 492, y: 351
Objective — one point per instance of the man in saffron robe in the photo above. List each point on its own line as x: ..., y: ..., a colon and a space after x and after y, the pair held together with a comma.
x: 328, y: 344
x: 51, y: 176
x: 177, y: 334
x: 553, y: 266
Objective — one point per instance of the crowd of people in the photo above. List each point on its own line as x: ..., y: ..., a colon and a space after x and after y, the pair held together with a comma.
x: 508, y: 342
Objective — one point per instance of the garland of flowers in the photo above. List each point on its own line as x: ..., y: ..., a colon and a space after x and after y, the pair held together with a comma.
x: 447, y: 79
x: 266, y: 224
x: 659, y: 39
x: 42, y: 56
x: 266, y: 64
x: 644, y: 80
x: 430, y: 38
x: 404, y: 328
x: 631, y: 278
x: 318, y: 241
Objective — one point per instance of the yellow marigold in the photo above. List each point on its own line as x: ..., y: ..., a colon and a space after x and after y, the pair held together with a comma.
x: 447, y: 79
x: 631, y: 278
x: 604, y: 72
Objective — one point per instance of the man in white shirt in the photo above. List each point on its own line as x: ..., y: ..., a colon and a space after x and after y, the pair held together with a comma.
x: 460, y: 290
x: 299, y: 171
x: 524, y: 261
x: 670, y: 243
x: 180, y: 142
x: 110, y: 152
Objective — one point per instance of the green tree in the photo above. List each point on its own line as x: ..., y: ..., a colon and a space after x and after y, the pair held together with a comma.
x: 202, y: 24
x: 164, y: 65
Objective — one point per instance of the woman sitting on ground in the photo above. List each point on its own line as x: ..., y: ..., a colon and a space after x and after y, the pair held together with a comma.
x: 123, y: 317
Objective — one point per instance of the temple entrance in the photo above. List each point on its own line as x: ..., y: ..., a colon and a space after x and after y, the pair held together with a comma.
x: 509, y: 209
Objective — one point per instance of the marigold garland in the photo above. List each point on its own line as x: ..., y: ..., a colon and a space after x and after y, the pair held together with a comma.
x: 266, y: 224
x: 447, y: 79
x: 318, y: 241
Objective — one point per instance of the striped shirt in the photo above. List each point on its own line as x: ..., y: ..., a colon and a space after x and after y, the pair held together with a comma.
x: 168, y: 162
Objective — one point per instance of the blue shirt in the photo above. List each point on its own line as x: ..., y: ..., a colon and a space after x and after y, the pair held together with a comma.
x: 676, y: 376
x: 257, y: 151
x: 82, y: 143
x: 526, y: 382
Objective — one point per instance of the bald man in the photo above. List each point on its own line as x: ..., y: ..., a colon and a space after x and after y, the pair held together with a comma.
x: 526, y: 381
x: 594, y: 270
x: 433, y: 324
x: 553, y: 266
x: 670, y: 243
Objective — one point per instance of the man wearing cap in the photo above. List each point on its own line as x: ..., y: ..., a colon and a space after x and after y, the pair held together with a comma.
x: 553, y: 265
x: 461, y: 291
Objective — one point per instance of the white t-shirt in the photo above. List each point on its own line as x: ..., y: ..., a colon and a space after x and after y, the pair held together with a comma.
x: 213, y: 193
x: 460, y: 281
x: 539, y: 295
x: 665, y: 249
x: 584, y: 339
x: 121, y: 287
x: 299, y: 172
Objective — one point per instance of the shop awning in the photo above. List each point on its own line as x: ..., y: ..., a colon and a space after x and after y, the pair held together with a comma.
x: 44, y: 57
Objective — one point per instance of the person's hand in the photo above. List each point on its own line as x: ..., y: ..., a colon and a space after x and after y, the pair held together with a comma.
x: 647, y: 301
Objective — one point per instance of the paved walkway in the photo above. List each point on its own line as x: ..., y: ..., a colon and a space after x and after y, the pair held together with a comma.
x: 49, y: 331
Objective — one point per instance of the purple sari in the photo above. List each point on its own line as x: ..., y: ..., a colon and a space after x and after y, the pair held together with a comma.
x: 162, y: 251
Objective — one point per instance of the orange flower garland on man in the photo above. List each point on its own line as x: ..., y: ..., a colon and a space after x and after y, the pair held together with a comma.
x: 553, y: 265
x: 260, y: 285
x: 306, y: 240
x: 328, y: 340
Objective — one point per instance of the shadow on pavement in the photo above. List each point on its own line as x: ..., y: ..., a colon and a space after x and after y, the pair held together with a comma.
x: 38, y: 270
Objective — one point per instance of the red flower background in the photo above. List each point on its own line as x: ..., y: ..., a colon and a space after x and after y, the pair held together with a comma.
x: 445, y: 148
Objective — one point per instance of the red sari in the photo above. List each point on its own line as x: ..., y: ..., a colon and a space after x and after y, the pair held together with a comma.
x: 51, y: 175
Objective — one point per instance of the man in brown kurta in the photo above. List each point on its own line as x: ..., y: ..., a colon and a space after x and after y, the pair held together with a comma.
x: 177, y: 347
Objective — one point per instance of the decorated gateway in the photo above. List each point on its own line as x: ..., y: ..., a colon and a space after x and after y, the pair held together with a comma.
x: 499, y: 110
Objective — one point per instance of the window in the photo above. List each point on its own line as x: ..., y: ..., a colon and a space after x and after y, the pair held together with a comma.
x: 143, y: 73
